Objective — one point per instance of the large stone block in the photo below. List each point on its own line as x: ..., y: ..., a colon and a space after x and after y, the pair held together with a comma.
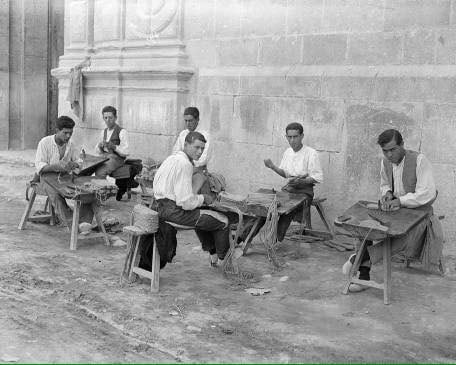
x: 202, y: 52
x: 150, y: 114
x: 304, y: 17
x: 374, y: 49
x: 225, y: 85
x: 445, y: 52
x: 238, y: 52
x: 353, y: 16
x: 439, y: 132
x: 440, y: 89
x: 354, y: 88
x: 280, y: 51
x: 263, y: 85
x: 325, y: 49
x: 216, y: 115
x: 419, y: 47
x: 263, y: 17
x: 408, y: 13
x: 307, y: 87
x: 228, y: 18
x: 252, y: 122
x: 199, y: 19
x: 324, y: 124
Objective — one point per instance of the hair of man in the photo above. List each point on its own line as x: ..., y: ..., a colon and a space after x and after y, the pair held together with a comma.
x: 193, y: 111
x: 64, y: 122
x: 295, y: 127
x: 109, y: 109
x: 388, y: 135
x: 193, y: 136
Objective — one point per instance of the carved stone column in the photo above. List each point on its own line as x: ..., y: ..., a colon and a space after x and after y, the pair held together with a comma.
x: 138, y: 65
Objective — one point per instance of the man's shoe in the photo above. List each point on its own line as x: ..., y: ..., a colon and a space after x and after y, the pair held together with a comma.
x: 119, y: 195
x: 356, y: 288
x: 348, y: 265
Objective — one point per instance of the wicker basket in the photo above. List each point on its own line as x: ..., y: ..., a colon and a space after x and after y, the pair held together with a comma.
x: 144, y: 218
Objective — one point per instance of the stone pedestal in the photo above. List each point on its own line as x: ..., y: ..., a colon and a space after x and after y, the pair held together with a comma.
x: 138, y: 65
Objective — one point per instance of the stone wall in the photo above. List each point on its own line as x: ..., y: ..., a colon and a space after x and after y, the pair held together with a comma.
x: 345, y: 69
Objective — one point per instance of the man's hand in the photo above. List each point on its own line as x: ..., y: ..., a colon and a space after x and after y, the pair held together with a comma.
x: 387, y: 197
x: 110, y: 146
x: 268, y: 163
x: 67, y: 166
x: 208, y: 199
x: 391, y: 205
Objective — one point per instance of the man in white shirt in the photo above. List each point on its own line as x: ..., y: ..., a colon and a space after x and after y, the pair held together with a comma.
x: 113, y: 143
x: 177, y: 203
x: 406, y: 180
x: 301, y: 166
x: 56, y: 155
x: 201, y: 175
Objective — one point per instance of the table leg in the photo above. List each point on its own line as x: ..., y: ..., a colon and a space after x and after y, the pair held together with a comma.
x: 248, y: 240
x: 155, y: 280
x: 75, y: 225
x: 387, y: 271
x: 97, y: 214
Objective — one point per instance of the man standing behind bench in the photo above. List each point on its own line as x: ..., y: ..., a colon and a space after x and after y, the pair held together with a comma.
x: 177, y: 203
x: 57, y: 155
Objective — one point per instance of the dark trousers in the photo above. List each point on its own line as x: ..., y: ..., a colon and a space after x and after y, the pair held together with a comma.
x: 212, y: 232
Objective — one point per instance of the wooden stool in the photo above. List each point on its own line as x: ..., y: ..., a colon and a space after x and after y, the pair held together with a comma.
x: 133, y: 257
x: 36, y: 190
x: 307, y: 221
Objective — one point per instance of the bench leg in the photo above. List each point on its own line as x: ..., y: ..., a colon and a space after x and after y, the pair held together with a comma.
x: 52, y: 212
x: 27, y: 210
x: 155, y: 280
x: 135, y: 258
x: 387, y: 271
x: 306, y: 217
x: 75, y: 225
x: 97, y: 214
x: 248, y: 240
x: 321, y: 213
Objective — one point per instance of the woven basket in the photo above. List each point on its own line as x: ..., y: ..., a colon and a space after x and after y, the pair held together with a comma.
x: 144, y: 218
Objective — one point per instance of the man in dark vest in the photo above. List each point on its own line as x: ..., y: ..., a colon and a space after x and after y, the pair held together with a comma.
x: 113, y: 144
x: 406, y: 180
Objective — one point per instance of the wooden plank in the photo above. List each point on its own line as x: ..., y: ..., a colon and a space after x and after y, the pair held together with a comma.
x: 142, y: 272
x: 75, y: 226
x: 369, y: 283
x: 387, y: 271
x: 155, y: 279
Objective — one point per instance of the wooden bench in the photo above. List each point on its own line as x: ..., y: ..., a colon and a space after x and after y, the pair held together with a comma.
x: 35, y: 190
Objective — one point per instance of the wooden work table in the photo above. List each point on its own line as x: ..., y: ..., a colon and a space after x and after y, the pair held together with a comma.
x: 397, y: 223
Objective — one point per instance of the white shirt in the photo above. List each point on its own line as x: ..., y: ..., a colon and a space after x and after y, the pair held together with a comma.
x: 205, y: 157
x: 173, y: 180
x: 47, y: 153
x: 303, y: 162
x: 425, y: 186
x: 121, y: 149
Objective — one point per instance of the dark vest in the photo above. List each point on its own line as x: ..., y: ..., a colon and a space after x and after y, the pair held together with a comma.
x: 408, y: 174
x: 115, y: 136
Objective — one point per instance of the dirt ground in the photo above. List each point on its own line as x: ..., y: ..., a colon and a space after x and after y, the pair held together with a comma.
x: 67, y: 306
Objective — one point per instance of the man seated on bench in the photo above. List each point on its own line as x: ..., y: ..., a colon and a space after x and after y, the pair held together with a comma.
x: 55, y: 155
x: 113, y: 143
x: 176, y: 202
x: 406, y: 180
x: 301, y: 166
